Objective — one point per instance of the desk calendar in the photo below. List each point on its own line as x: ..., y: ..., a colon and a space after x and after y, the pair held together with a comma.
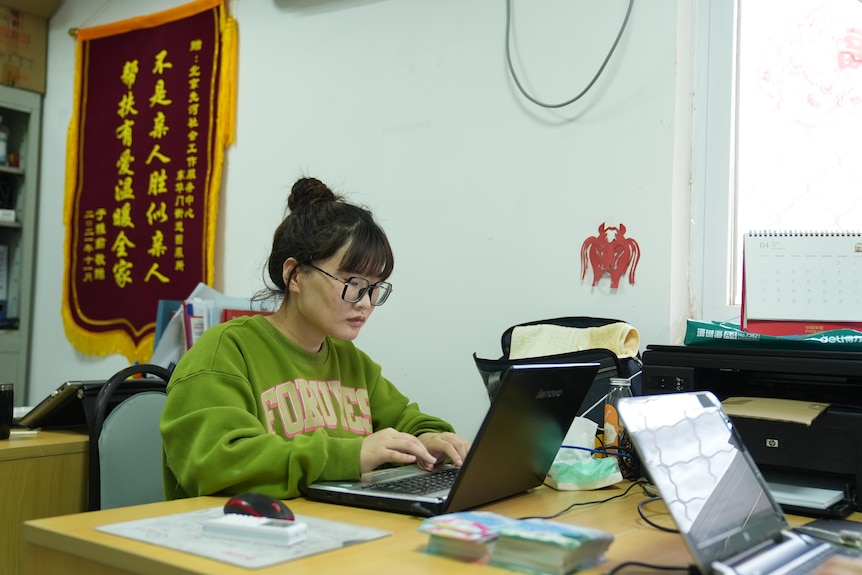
x: 802, y: 277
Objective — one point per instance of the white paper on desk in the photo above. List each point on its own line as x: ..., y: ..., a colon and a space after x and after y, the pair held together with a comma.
x: 184, y: 532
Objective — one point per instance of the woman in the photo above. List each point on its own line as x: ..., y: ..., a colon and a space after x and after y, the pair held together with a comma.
x: 274, y: 403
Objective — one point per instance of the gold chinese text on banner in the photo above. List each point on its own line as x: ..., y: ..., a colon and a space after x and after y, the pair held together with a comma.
x: 153, y: 114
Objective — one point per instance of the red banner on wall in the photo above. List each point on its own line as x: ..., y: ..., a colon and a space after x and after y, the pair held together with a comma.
x: 153, y: 114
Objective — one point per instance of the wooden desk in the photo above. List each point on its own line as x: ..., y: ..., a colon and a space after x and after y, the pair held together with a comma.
x: 41, y: 475
x: 71, y: 544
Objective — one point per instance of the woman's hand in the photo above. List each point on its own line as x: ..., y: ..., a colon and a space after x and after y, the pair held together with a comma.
x: 426, y: 451
x: 444, y: 446
x: 390, y: 446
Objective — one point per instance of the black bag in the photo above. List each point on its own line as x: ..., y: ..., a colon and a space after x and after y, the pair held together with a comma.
x: 610, y: 365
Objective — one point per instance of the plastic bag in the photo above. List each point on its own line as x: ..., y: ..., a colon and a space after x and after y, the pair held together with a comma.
x: 724, y: 334
x: 576, y: 469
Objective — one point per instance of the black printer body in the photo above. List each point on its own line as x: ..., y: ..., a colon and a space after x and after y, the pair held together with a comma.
x: 827, y: 453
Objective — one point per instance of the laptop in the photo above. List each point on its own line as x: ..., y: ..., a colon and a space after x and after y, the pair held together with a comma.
x: 512, y: 452
x: 715, y: 493
x: 73, y: 403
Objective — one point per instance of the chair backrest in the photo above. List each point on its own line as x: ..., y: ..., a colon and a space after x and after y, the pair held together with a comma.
x: 130, y: 452
x: 125, y: 445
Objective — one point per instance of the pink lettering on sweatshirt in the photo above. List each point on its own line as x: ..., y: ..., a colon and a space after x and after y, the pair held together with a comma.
x: 301, y: 406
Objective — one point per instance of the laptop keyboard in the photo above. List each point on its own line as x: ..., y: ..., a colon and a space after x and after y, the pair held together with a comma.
x: 811, y: 561
x: 420, y: 484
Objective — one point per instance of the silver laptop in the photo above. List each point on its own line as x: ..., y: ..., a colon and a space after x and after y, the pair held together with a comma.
x: 512, y: 452
x: 720, y: 502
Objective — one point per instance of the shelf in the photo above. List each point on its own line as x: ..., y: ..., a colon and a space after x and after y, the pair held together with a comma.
x: 11, y: 170
x: 20, y: 111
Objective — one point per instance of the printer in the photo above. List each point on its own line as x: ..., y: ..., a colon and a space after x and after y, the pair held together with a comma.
x: 822, y: 455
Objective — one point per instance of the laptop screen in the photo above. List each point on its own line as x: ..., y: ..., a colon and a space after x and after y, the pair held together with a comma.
x: 710, y: 484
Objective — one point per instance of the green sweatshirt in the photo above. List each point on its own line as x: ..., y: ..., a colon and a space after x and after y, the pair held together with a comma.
x: 249, y: 410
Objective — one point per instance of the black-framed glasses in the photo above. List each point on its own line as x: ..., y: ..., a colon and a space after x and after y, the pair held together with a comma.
x: 355, y: 288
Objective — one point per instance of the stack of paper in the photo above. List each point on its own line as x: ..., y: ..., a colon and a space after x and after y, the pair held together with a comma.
x: 531, y: 545
x: 466, y: 535
x: 540, y: 546
x: 801, y: 496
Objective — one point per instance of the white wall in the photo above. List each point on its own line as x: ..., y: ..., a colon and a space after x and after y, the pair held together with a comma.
x: 407, y: 107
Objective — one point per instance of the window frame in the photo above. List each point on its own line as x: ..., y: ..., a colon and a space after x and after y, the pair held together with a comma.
x: 713, y: 231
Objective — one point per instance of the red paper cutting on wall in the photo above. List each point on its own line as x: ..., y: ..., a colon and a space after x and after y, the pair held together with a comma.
x: 612, y: 253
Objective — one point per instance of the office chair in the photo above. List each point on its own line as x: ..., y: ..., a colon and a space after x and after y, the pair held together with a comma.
x: 125, y: 444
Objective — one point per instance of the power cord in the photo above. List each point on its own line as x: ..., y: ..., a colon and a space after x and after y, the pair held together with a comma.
x: 629, y: 462
x: 613, y: 453
x: 650, y: 522
x: 583, y: 503
x: 690, y: 569
x: 585, y: 90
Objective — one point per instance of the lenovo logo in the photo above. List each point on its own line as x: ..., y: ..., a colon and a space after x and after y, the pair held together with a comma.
x: 548, y: 393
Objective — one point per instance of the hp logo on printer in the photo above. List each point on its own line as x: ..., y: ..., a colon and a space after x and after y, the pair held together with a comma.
x: 771, y: 442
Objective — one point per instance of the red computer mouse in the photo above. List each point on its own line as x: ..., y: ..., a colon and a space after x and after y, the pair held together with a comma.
x: 258, y: 505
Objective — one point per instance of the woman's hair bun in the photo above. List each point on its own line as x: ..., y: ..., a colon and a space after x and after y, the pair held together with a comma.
x: 307, y: 192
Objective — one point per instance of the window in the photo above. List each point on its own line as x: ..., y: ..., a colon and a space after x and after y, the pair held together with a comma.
x: 776, y: 140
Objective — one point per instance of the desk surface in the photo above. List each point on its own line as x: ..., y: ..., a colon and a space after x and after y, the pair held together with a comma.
x: 43, y: 443
x: 70, y: 544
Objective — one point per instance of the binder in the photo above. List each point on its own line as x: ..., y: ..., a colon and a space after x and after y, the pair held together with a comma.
x: 164, y: 312
x: 197, y: 318
x: 230, y: 313
x: 801, y: 282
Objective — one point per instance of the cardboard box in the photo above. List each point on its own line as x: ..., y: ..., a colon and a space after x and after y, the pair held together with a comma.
x: 23, y: 50
x: 24, y: 42
x: 43, y: 8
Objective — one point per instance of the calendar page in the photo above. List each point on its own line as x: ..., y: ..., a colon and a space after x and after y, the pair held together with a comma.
x: 803, y: 276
